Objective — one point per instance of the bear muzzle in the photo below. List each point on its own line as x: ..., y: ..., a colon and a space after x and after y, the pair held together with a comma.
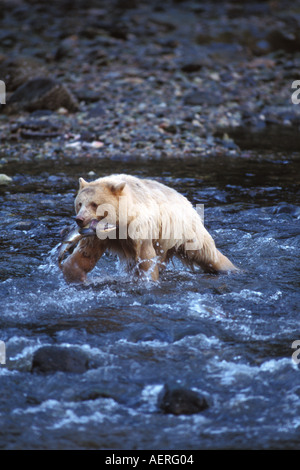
x: 83, y: 217
x: 80, y: 221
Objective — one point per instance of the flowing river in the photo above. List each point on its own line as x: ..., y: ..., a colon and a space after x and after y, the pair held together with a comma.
x: 227, y: 337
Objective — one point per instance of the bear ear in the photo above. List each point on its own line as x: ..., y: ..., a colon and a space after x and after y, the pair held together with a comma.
x: 117, y: 188
x: 82, y: 183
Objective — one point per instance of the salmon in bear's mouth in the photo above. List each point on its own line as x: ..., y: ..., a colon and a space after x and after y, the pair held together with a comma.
x: 90, y: 226
x: 96, y: 225
x: 72, y: 237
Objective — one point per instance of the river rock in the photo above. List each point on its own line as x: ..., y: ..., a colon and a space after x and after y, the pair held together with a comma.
x: 284, y: 208
x: 49, y: 359
x: 42, y: 93
x: 16, y: 71
x: 202, y: 97
x: 4, y: 179
x: 180, y: 400
x: 192, y: 66
x: 67, y: 48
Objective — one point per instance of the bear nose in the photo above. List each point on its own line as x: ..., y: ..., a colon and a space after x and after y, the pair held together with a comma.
x: 79, y: 220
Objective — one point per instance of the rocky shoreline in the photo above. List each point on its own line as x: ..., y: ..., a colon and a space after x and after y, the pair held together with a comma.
x: 148, y: 80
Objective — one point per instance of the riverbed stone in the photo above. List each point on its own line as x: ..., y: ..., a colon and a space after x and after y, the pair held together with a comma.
x: 16, y: 71
x: 49, y: 359
x: 196, y: 98
x: 41, y: 93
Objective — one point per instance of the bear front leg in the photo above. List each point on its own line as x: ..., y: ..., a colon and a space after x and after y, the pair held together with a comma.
x: 147, y: 262
x: 82, y: 260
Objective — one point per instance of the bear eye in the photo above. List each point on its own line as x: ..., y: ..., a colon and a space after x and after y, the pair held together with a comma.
x: 79, y: 205
x: 94, y: 205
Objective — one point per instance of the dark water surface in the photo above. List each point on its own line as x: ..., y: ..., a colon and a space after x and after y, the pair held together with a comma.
x: 228, y: 337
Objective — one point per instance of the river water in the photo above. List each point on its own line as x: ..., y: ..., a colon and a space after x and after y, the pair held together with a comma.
x: 228, y: 337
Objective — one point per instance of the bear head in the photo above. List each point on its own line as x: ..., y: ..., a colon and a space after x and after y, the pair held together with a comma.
x: 98, y: 200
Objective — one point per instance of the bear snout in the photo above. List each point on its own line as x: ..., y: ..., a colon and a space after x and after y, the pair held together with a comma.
x: 83, y: 217
x: 80, y: 221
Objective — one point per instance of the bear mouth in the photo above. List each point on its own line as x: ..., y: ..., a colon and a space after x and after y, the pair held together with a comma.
x: 97, y: 225
x: 91, y: 225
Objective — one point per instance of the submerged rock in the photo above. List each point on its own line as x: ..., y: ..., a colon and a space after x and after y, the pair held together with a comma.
x: 181, y: 400
x: 284, y: 208
x: 41, y: 93
x: 49, y: 359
